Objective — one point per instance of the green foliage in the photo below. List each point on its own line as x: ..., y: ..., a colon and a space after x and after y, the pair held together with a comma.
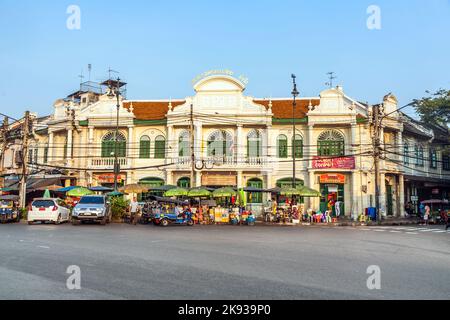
x: 119, y: 207
x: 434, y: 109
x: 23, y: 213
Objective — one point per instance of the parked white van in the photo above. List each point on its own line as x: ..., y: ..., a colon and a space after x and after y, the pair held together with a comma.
x: 48, y: 210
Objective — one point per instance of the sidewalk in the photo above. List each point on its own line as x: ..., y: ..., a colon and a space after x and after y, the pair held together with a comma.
x: 346, y: 222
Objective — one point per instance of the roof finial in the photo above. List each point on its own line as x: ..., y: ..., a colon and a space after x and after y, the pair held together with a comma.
x: 270, y: 104
x: 131, y: 109
x: 310, y: 106
x: 170, y: 104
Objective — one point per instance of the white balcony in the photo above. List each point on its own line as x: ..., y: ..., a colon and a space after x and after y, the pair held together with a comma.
x: 229, y: 162
x: 106, y: 163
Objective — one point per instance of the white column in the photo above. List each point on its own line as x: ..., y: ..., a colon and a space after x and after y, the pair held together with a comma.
x: 131, y: 154
x: 313, y: 202
x: 401, y: 195
x: 311, y: 150
x: 198, y: 179
x: 91, y: 141
x: 355, y: 196
x: 69, y: 143
x: 169, y: 177
x: 353, y: 138
x: 171, y: 144
x: 50, y: 147
x: 198, y: 142
x: 240, y: 145
x: 240, y: 179
x: 383, y: 193
x: 399, y: 146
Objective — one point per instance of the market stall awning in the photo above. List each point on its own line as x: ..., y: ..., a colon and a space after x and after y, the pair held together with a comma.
x: 66, y: 189
x: 79, y: 192
x: 176, y: 192
x: 39, y: 184
x: 101, y: 189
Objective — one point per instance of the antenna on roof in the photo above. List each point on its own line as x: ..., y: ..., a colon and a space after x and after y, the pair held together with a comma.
x: 81, y: 78
x: 89, y: 70
x: 331, y: 77
x: 111, y: 71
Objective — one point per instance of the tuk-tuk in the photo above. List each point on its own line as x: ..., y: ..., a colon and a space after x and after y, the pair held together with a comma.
x: 8, y: 209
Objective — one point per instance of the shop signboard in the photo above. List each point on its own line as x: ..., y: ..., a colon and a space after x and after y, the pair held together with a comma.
x: 108, y: 178
x: 334, y: 163
x: 332, y: 178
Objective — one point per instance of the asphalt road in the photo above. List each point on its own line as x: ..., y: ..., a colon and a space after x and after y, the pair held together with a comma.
x: 223, y: 262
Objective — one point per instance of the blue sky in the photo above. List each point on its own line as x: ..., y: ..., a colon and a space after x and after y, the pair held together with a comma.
x: 160, y: 46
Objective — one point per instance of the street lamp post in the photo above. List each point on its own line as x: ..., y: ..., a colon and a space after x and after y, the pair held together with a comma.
x: 295, y: 93
x: 116, y: 92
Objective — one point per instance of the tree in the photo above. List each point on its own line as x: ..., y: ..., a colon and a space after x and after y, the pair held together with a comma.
x: 434, y: 109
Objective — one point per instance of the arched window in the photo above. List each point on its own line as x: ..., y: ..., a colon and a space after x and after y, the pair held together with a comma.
x: 282, y: 146
x: 160, y: 147
x: 220, y: 144
x: 183, y: 144
x: 108, y: 145
x: 297, y: 146
x: 254, y: 197
x: 331, y: 143
x: 254, y: 144
x: 184, y: 182
x: 144, y: 148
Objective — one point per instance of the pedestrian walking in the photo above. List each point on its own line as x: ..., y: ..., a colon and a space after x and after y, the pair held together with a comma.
x: 446, y: 220
x: 134, y: 211
x: 426, y: 215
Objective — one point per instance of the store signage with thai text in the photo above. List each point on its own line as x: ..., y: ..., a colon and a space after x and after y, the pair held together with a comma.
x: 332, y: 178
x: 108, y: 178
x: 334, y: 163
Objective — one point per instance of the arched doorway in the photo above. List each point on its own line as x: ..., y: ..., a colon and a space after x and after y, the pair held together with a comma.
x: 184, y: 182
x: 254, y: 197
x: 287, y: 183
x: 151, y: 182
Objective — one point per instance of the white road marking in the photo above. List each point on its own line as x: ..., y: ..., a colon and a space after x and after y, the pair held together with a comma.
x: 395, y: 231
x: 412, y: 233
x: 43, y: 247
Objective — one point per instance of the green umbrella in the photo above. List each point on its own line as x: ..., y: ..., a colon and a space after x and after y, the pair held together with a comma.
x: 289, y: 192
x: 224, y: 192
x: 198, y: 193
x: 308, y: 192
x: 47, y: 194
x: 79, y: 192
x: 115, y: 194
x: 176, y: 192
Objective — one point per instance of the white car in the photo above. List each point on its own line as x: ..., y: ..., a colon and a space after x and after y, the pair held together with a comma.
x: 48, y: 210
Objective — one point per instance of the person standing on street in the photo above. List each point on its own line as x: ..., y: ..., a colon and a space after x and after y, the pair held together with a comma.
x: 134, y: 210
x: 427, y: 214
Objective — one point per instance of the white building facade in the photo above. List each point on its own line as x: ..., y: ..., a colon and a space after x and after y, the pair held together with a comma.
x: 238, y: 141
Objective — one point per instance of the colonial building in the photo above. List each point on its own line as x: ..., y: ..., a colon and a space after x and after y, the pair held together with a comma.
x: 237, y: 140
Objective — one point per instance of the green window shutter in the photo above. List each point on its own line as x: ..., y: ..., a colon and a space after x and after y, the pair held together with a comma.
x: 282, y: 148
x: 144, y: 149
x: 45, y: 154
x: 160, y: 149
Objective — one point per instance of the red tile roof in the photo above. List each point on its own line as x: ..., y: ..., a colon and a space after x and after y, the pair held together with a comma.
x: 282, y: 109
x: 151, y: 110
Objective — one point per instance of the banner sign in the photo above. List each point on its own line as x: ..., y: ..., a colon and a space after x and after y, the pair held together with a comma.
x: 108, y: 178
x: 334, y: 163
x: 332, y: 178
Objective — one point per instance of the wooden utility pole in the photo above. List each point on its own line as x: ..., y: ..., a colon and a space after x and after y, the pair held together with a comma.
x: 23, y: 181
x: 376, y: 157
x: 192, y: 145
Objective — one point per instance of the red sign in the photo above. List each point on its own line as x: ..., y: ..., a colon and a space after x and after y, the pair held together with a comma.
x: 334, y: 163
x: 332, y: 178
x: 108, y: 178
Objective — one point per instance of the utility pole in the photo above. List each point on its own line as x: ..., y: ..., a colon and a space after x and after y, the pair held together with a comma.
x: 192, y: 145
x: 376, y: 157
x: 23, y: 181
x: 116, y: 138
x: 4, y: 142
